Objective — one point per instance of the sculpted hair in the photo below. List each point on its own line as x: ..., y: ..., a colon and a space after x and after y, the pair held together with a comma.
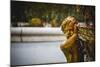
x: 66, y: 22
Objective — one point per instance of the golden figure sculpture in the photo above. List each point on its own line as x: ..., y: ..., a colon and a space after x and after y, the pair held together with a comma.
x: 69, y: 46
x: 79, y: 45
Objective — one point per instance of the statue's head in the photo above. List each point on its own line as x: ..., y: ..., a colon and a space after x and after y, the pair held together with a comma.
x: 67, y: 26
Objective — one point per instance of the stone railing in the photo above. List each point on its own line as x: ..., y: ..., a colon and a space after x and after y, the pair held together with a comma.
x: 31, y: 34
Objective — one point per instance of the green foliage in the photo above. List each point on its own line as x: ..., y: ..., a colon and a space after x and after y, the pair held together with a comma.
x: 35, y: 22
x: 24, y: 11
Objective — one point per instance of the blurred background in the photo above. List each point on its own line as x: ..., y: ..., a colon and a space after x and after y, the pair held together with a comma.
x: 32, y: 14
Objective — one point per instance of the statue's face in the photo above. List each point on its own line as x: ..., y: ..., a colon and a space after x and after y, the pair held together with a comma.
x: 70, y: 29
x: 69, y: 33
x: 68, y: 26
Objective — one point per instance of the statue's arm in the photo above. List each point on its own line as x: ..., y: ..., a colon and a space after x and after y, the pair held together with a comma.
x: 69, y: 42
